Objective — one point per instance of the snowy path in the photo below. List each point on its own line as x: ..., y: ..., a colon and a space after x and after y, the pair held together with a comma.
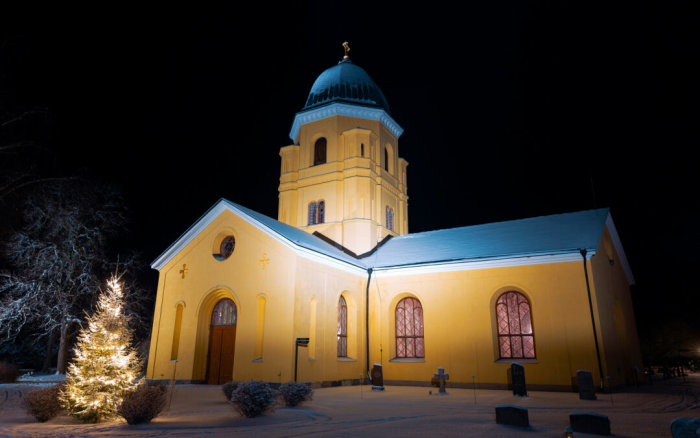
x: 407, y: 411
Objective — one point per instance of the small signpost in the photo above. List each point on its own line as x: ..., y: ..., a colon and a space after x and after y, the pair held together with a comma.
x: 300, y: 342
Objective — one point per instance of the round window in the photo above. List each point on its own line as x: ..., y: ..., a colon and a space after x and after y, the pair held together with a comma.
x: 227, y: 246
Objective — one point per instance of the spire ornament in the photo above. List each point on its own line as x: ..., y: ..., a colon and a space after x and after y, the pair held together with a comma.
x: 347, y: 50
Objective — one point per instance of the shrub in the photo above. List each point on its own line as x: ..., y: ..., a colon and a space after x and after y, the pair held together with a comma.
x: 8, y: 372
x: 44, y: 403
x: 228, y: 389
x: 253, y: 398
x: 143, y: 403
x: 160, y: 384
x: 294, y: 393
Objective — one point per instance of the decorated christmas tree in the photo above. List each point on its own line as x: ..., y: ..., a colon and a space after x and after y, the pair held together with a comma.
x: 105, y: 367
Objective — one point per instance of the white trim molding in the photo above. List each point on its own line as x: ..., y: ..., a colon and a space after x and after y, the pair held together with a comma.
x: 343, y: 109
x: 224, y: 205
x: 470, y: 265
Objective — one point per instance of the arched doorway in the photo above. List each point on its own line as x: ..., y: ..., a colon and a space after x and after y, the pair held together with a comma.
x: 222, y: 342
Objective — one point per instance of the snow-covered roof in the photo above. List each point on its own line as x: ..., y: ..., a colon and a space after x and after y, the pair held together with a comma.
x: 544, y: 239
x: 300, y: 241
x: 555, y: 234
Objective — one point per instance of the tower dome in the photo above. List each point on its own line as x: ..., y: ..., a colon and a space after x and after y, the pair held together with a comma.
x: 347, y: 83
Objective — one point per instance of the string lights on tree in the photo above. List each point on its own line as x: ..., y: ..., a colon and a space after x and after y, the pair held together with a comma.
x: 105, y: 367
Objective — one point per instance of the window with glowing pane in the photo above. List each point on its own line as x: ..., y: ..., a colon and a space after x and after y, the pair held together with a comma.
x: 342, y: 327
x: 224, y: 313
x: 409, y: 329
x: 516, y: 339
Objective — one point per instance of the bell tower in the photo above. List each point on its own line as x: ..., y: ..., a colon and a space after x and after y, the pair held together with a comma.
x: 342, y: 176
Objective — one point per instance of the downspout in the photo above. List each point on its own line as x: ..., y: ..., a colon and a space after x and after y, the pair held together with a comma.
x: 590, y: 305
x: 369, y: 279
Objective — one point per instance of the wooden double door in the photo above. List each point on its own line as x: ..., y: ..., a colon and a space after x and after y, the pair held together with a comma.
x: 222, y: 344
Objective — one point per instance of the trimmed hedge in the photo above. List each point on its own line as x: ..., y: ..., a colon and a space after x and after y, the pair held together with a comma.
x: 253, y: 398
x: 143, y: 403
x: 228, y: 389
x: 8, y: 372
x: 44, y: 403
x: 294, y: 393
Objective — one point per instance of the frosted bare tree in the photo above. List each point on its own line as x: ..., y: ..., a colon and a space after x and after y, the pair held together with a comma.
x: 24, y: 154
x: 58, y: 256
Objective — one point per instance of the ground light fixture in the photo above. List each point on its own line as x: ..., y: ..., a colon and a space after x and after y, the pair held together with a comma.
x: 568, y: 433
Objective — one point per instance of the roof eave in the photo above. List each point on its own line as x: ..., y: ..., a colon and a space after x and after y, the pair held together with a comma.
x: 620, y: 250
x: 343, y: 109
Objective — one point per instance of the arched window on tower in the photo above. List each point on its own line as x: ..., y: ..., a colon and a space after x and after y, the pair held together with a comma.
x: 390, y: 218
x: 320, y: 151
x: 317, y: 212
x: 342, y: 327
x: 516, y: 339
x: 409, y: 328
x: 321, y: 212
x: 312, y: 212
x: 386, y: 159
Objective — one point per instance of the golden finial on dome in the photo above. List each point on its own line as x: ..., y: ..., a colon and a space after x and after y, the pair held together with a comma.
x: 347, y: 50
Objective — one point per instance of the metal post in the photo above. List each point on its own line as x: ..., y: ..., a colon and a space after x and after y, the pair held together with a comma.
x: 172, y: 383
x: 590, y: 305
x: 474, y: 386
x: 300, y: 342
x: 296, y: 359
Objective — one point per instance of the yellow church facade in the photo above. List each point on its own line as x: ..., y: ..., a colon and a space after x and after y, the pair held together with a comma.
x: 339, y: 267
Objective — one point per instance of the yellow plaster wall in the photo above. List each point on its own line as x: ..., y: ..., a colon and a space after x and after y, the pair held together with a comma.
x: 356, y: 189
x: 241, y: 278
x: 620, y: 346
x: 319, y: 283
x: 301, y: 296
x: 460, y: 323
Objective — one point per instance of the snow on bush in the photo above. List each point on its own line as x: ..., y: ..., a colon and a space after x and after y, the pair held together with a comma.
x: 44, y: 403
x: 143, y: 403
x: 228, y: 389
x: 253, y: 398
x: 294, y: 393
x: 8, y: 372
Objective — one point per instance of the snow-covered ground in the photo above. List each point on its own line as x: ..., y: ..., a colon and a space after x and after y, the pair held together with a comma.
x: 399, y: 411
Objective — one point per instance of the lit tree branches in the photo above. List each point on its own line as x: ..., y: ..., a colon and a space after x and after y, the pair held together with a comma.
x: 57, y: 255
x: 105, y: 367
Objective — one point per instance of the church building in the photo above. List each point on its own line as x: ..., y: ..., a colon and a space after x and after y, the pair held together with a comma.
x: 338, y: 266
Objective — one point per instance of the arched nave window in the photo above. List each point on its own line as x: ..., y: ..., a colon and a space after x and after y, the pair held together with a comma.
x: 317, y: 212
x: 320, y: 151
x: 342, y: 327
x: 409, y: 328
x: 515, y: 336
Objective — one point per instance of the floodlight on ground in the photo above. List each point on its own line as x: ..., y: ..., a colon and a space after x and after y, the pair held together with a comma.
x: 569, y: 433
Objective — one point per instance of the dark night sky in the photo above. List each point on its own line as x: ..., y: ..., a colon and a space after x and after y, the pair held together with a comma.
x: 509, y: 111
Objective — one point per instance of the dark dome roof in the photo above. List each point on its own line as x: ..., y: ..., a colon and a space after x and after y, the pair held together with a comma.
x: 346, y: 82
